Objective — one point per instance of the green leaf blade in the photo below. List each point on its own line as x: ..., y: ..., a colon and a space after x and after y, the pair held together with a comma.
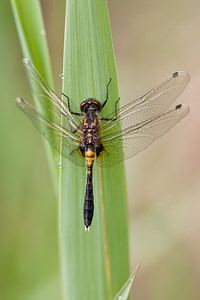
x: 32, y: 36
x: 125, y: 290
x: 91, y: 260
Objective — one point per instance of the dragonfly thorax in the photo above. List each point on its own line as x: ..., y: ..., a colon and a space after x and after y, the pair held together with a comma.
x: 90, y: 130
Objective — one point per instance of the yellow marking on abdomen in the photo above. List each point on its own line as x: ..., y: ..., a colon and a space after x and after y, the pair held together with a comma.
x: 89, y: 156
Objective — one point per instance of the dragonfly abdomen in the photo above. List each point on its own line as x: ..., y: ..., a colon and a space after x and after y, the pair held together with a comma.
x: 89, y: 197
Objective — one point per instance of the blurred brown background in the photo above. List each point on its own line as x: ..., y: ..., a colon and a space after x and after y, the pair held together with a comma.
x: 152, y: 39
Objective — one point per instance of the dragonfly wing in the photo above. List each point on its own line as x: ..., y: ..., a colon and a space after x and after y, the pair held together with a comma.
x: 50, y: 102
x: 152, y: 104
x: 137, y: 137
x: 62, y: 139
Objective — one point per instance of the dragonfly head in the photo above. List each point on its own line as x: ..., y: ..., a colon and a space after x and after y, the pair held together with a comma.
x: 90, y: 105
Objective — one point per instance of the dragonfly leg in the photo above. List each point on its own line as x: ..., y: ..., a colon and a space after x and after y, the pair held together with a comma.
x: 104, y: 103
x: 112, y: 119
x: 72, y: 112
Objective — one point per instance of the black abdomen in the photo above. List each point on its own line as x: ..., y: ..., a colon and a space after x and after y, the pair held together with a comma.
x: 88, y: 209
x: 88, y: 206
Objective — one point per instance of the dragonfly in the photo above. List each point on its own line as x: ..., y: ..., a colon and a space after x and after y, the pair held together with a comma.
x: 86, y: 136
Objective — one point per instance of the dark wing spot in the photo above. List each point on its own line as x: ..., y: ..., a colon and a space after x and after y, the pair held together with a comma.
x: 178, y: 106
x: 176, y: 74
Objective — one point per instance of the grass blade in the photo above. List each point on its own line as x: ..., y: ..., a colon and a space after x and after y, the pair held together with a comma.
x: 32, y: 35
x: 125, y: 290
x: 95, y: 264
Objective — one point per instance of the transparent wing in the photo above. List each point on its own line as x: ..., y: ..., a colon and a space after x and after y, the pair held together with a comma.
x: 56, y: 108
x: 63, y: 140
x: 155, y: 102
x: 140, y: 136
x: 135, y: 126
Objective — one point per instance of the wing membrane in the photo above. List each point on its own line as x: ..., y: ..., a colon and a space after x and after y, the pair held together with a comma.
x: 62, y: 139
x: 136, y: 126
x: 140, y: 137
x: 48, y: 99
x: 143, y: 120
x: 151, y: 104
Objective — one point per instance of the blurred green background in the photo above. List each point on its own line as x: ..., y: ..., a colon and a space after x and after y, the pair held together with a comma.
x: 152, y: 39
